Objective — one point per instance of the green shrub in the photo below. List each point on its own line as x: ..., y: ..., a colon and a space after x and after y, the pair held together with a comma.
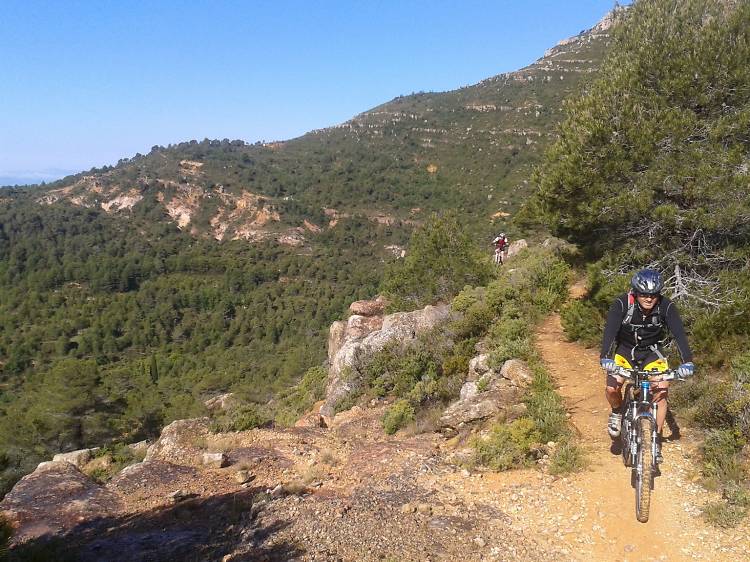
x: 457, y: 362
x: 292, y: 404
x: 442, y: 259
x: 512, y: 349
x: 398, y: 416
x: 568, y: 457
x: 545, y: 407
x: 467, y: 297
x: 711, y: 407
x: 483, y: 384
x: 582, y: 322
x: 118, y: 455
x: 721, y: 458
x: 474, y: 322
x: 240, y: 418
x: 346, y: 403
x: 507, y: 446
x: 724, y: 514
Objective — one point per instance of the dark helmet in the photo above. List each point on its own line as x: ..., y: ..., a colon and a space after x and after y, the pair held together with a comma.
x: 647, y: 281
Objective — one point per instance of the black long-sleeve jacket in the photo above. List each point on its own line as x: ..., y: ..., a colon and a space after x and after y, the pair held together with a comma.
x: 643, y: 330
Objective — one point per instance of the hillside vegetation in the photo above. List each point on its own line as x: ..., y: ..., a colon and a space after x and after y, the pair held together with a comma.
x: 651, y: 169
x: 131, y: 293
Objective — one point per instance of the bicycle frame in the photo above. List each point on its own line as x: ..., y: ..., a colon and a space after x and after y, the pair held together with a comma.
x: 638, y: 409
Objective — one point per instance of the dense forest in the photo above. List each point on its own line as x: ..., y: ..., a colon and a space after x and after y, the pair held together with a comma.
x: 114, y: 321
x: 108, y: 335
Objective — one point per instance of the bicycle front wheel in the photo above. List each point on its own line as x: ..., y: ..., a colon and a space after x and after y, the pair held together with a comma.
x: 644, y: 470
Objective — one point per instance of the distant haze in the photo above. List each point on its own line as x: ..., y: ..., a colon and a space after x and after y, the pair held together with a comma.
x: 28, y: 177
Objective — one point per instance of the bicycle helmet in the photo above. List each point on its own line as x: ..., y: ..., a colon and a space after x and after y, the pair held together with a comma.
x: 647, y: 282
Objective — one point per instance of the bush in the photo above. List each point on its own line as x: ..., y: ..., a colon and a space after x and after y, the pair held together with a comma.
x: 507, y: 446
x: 721, y: 455
x: 711, y: 407
x: 467, y: 297
x: 582, y: 322
x: 442, y: 259
x: 292, y: 404
x: 567, y: 458
x: 240, y: 418
x: 724, y: 514
x: 545, y: 407
x: 111, y: 460
x: 474, y: 322
x: 398, y: 416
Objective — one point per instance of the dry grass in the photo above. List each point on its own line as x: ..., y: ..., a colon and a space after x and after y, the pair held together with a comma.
x: 295, y: 488
x: 225, y: 443
x: 312, y: 473
x: 328, y: 457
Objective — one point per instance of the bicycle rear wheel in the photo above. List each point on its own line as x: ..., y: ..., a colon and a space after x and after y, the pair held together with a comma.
x: 644, y: 470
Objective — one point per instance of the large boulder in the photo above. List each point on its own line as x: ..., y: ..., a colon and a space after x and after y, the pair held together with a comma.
x: 517, y: 247
x: 375, y: 307
x: 55, y: 498
x: 492, y: 393
x: 221, y: 402
x: 336, y: 336
x: 360, y: 326
x: 179, y: 442
x: 77, y: 458
x: 517, y: 372
x: 352, y: 348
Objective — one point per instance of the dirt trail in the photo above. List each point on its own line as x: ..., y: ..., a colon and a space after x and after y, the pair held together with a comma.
x: 601, y: 501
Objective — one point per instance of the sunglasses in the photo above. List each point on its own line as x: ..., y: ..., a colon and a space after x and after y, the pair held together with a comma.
x: 648, y: 295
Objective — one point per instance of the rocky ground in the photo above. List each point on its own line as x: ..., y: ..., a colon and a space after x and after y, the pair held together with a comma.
x: 349, y: 492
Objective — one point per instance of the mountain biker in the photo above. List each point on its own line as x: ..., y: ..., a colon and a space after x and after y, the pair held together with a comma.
x: 636, y: 328
x: 501, y: 244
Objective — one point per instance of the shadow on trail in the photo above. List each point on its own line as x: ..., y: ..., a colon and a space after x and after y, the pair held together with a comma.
x: 197, y: 529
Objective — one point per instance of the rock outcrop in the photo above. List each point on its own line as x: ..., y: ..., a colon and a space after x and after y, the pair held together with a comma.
x: 375, y: 307
x: 350, y: 344
x: 178, y: 442
x: 489, y: 393
x: 54, y: 499
x: 76, y: 458
x: 221, y: 402
x: 517, y: 247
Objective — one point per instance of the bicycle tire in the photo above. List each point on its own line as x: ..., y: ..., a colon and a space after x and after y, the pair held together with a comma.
x: 644, y: 470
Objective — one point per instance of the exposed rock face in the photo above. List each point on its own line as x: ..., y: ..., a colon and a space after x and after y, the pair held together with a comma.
x: 220, y: 402
x: 359, y: 326
x: 336, y: 335
x: 76, y: 458
x: 178, y: 442
x: 516, y: 247
x: 215, y: 460
x: 375, y: 307
x: 55, y: 498
x: 517, y: 372
x: 478, y: 366
x: 352, y: 343
x: 491, y: 393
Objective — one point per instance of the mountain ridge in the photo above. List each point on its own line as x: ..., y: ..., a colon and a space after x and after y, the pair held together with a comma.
x: 415, y: 153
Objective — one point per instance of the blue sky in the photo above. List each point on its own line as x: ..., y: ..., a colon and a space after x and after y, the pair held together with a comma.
x: 85, y: 83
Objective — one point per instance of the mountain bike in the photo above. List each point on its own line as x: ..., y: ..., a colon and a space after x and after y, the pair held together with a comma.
x: 498, y: 258
x: 638, y: 435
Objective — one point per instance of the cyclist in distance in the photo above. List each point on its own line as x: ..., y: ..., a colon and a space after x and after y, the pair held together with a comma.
x: 634, y: 336
x: 501, y: 244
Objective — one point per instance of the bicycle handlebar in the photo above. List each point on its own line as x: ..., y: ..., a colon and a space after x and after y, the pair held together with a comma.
x: 652, y: 376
